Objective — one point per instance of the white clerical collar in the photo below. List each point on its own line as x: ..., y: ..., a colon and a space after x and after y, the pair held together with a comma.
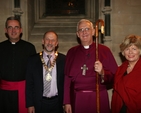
x: 86, y: 47
x: 13, y: 43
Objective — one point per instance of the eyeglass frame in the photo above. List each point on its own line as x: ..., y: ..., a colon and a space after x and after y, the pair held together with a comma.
x: 83, y: 29
x: 15, y: 28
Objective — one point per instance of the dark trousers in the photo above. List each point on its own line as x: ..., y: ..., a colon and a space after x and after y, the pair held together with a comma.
x: 51, y: 106
x: 8, y: 101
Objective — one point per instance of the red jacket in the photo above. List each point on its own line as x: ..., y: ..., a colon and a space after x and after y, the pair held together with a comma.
x: 128, y: 89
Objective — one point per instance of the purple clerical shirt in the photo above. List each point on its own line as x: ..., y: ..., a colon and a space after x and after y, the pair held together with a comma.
x: 79, y: 89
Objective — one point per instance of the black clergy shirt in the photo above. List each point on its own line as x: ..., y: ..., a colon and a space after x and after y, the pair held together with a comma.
x: 13, y: 59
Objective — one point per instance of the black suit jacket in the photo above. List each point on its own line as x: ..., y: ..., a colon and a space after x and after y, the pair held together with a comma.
x: 34, y: 81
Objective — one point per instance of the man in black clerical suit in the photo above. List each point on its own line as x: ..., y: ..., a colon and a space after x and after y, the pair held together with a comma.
x: 44, y: 84
x: 14, y: 54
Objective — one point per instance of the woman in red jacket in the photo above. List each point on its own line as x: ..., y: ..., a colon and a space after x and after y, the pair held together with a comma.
x: 127, y: 85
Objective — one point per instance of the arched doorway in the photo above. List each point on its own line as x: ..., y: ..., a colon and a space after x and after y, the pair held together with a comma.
x: 64, y: 7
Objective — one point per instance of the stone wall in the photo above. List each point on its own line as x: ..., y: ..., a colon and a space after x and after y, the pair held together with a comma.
x: 5, y: 11
x: 31, y: 16
x: 27, y: 16
x: 125, y: 20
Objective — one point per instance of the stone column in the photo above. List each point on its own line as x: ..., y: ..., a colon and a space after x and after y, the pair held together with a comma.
x: 17, y: 10
x: 107, y: 11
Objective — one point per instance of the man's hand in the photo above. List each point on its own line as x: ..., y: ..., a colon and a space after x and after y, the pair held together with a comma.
x: 31, y: 109
x: 98, y: 67
x: 67, y: 108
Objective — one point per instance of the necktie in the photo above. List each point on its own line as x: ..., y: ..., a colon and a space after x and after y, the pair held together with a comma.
x: 47, y: 84
x: 49, y: 61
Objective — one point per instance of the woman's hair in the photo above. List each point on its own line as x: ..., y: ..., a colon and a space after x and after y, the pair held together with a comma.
x: 130, y: 40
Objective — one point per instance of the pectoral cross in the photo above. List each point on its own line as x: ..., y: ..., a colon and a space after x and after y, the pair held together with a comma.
x: 84, y: 69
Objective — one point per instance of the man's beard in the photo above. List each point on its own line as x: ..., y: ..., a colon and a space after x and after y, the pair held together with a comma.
x: 49, y: 50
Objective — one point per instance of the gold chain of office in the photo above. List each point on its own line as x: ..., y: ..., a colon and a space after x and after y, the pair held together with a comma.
x: 52, y: 64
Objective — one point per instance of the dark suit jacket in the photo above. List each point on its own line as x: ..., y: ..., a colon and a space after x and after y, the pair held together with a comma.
x: 34, y: 81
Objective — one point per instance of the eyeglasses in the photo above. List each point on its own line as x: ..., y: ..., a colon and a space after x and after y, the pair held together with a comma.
x: 83, y: 29
x: 11, y: 28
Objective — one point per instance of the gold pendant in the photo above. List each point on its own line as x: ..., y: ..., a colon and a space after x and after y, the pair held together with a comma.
x: 49, y: 69
x: 48, y: 77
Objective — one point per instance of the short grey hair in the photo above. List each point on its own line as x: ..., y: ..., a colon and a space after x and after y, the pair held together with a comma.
x: 85, y: 20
